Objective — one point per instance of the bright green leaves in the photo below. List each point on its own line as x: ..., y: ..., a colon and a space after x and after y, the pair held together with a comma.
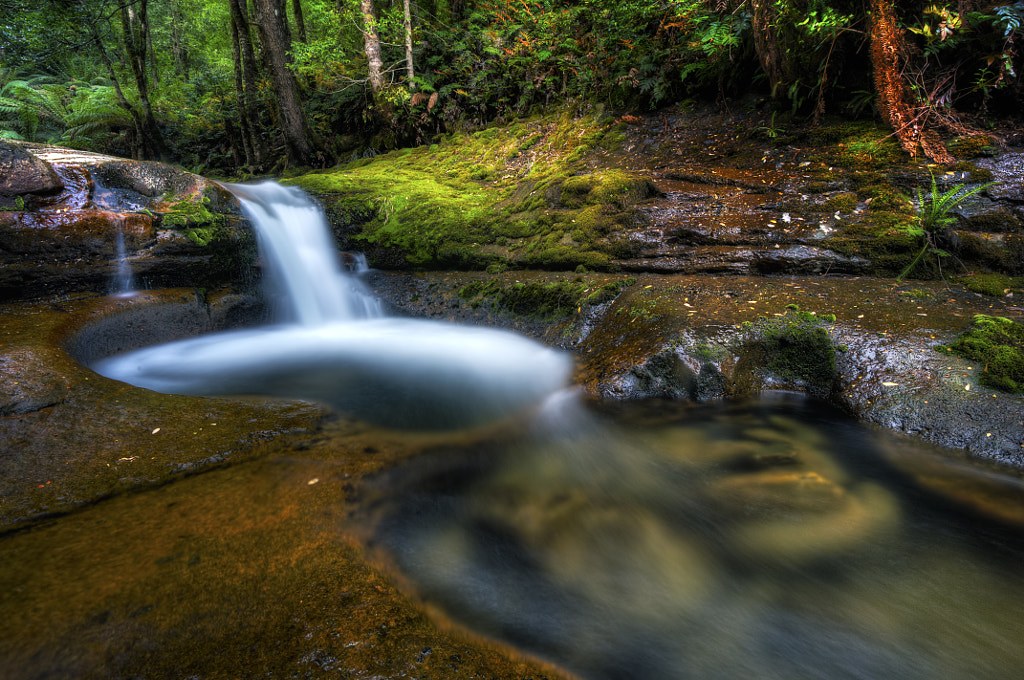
x: 934, y: 218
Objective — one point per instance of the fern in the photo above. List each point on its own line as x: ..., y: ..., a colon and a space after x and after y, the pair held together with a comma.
x: 933, y: 218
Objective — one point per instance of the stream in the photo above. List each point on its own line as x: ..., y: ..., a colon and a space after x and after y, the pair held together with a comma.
x: 653, y: 540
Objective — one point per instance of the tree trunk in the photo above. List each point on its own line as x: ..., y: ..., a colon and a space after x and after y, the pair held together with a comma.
x: 154, y: 69
x: 121, y: 99
x: 178, y: 48
x: 410, y: 73
x: 898, y: 106
x: 240, y: 94
x: 135, y: 29
x: 371, y: 42
x: 766, y: 44
x: 272, y: 24
x: 300, y: 22
x: 248, y: 72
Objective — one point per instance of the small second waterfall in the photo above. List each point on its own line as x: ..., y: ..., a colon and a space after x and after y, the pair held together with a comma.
x: 336, y: 346
x: 123, y: 284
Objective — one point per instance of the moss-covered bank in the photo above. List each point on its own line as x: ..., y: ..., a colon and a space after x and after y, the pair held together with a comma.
x: 517, y: 196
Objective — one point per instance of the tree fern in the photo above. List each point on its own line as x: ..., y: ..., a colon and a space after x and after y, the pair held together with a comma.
x: 94, y: 109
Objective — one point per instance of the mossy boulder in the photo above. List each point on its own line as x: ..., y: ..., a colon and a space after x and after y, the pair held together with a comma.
x: 541, y: 301
x: 794, y: 349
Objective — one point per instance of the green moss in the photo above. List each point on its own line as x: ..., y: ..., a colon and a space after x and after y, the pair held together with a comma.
x: 972, y: 146
x: 975, y: 175
x: 541, y: 301
x: 614, y: 187
x: 858, y: 146
x: 886, y: 198
x: 998, y: 344
x: 471, y: 201
x: 841, y: 203
x: 996, y: 285
x: 797, y: 347
x: 861, y: 180
x: 195, y: 220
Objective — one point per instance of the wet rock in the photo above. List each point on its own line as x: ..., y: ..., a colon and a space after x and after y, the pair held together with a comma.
x: 23, y: 173
x: 148, y: 178
x: 69, y: 437
x: 1007, y: 170
x: 663, y: 375
x: 800, y: 259
x: 175, y: 229
x: 30, y: 380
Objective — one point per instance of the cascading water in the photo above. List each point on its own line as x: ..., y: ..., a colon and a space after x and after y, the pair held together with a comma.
x: 123, y: 284
x: 336, y: 347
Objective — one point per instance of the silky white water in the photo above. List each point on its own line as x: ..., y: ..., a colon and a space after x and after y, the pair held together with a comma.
x: 336, y: 346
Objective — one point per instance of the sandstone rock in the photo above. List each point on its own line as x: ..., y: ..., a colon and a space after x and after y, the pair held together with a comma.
x: 23, y: 173
x: 148, y: 178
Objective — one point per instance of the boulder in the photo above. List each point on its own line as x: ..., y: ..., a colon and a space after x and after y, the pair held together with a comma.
x: 23, y: 173
x: 148, y: 178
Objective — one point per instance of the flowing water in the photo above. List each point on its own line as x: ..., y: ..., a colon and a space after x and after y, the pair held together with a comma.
x: 655, y: 540
x: 123, y: 283
x: 335, y: 346
x: 769, y: 541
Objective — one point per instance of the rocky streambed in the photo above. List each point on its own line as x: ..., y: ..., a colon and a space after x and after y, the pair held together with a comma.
x: 261, y: 489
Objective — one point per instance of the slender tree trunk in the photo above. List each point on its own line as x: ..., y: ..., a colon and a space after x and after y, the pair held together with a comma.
x: 136, y: 146
x: 248, y: 72
x: 240, y: 94
x: 410, y: 72
x: 135, y: 28
x: 178, y: 48
x: 371, y: 43
x: 273, y: 25
x: 300, y: 22
x: 896, y: 103
x: 153, y: 68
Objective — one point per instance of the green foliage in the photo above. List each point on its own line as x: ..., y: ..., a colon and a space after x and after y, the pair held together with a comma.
x: 477, y: 63
x: 933, y: 218
x: 968, y: 56
x: 998, y: 344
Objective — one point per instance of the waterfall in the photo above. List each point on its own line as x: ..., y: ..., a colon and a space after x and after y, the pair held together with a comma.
x: 295, y: 240
x: 337, y: 347
x: 122, y: 285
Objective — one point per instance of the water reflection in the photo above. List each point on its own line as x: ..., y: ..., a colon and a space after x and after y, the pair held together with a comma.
x: 765, y: 542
